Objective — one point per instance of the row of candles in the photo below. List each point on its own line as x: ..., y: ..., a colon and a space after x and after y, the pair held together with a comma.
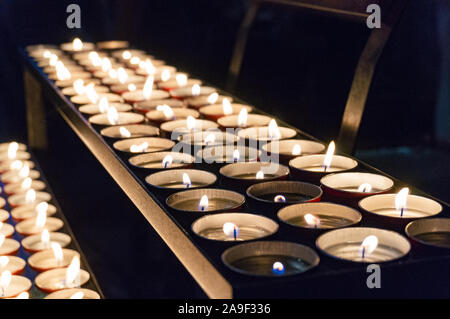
x: 151, y: 111
x: 58, y: 268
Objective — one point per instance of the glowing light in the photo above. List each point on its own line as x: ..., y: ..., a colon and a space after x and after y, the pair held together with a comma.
x: 77, y: 44
x: 91, y: 93
x: 195, y: 91
x: 135, y: 60
x: 181, y: 79
x: 148, y: 88
x: 148, y: 67
x: 260, y: 175
x: 4, y: 260
x: 236, y: 155
x: 226, y: 106
x: 278, y: 268
x: 231, y: 230
x: 30, y: 196
x: 122, y: 75
x: 16, y: 165
x: 78, y: 86
x: 73, y: 271
x: 106, y: 65
x: 274, y: 131
x: 210, y: 139
x: 139, y: 148
x: 47, y: 54
x: 45, y: 238
x: 242, y: 117
x: 58, y: 253
x: 190, y: 123
x: 329, y: 156
x: 62, y: 72
x: 5, y: 280
x: 167, y: 161
x: 77, y: 295
x: 186, y: 180
x: 53, y: 60
x: 167, y: 111
x: 312, y: 220
x: 23, y: 295
x: 296, y: 150
x: 113, y: 116
x: 212, y: 98
x: 131, y: 87
x: 42, y: 208
x: 204, y: 203
x: 2, y: 239
x: 112, y: 74
x: 364, y: 188
x: 41, y: 219
x: 26, y: 184
x: 95, y: 58
x: 126, y: 55
x: 279, y: 199
x: 12, y: 150
x: 24, y: 171
x: 401, y: 199
x: 368, y: 245
x: 124, y: 132
x: 165, y: 75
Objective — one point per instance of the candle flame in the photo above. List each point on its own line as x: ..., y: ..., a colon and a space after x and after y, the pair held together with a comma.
x: 279, y: 199
x: 126, y: 55
x: 296, y: 150
x: 78, y: 86
x: 135, y: 60
x: 62, y: 72
x: 26, y: 184
x: 47, y: 54
x: 45, y: 237
x: 274, y: 131
x: 24, y: 171
x: 210, y: 138
x: 57, y: 252
x: 4, y: 260
x: 312, y: 220
x: 41, y: 219
x: 401, y: 199
x: 95, y: 58
x: 124, y: 132
x: 260, y: 175
x: 106, y: 65
x: 242, y: 117
x: 231, y: 230
x: 181, y: 79
x: 236, y: 155
x: 103, y: 105
x: 167, y: 161
x: 77, y: 44
x: 12, y: 150
x: 364, y: 188
x: 148, y: 88
x: 53, y: 60
x: 77, y: 295
x: 2, y: 239
x: 212, y: 98
x: 23, y: 295
x: 329, y: 156
x: 167, y: 111
x: 147, y: 66
x: 227, y: 108
x: 165, y: 75
x: 113, y: 116
x: 5, y: 280
x: 186, y: 180
x: 30, y: 196
x: 278, y: 268
x: 42, y: 207
x: 122, y: 75
x: 72, y: 272
x: 91, y: 93
x: 131, y: 87
x: 139, y: 148
x: 195, y: 90
x: 112, y: 74
x: 190, y: 123
x: 204, y: 203
x: 368, y: 245
x: 16, y: 165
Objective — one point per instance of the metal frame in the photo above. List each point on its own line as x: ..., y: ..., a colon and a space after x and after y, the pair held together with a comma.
x: 365, y: 68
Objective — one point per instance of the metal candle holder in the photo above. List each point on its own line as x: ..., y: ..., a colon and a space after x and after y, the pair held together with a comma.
x: 284, y: 149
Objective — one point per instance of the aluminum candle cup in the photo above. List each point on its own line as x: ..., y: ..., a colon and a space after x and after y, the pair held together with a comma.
x: 242, y: 175
x: 349, y: 188
x: 216, y: 111
x: 197, y: 102
x: 172, y: 84
x: 289, y: 149
x: 15, y: 265
x: 34, y: 243
x: 20, y: 155
x: 84, y: 99
x: 213, y: 158
x: 175, y: 129
x: 70, y: 90
x: 381, y: 209
x: 143, y: 145
x: 175, y: 179
x: 17, y: 285
x: 54, y: 279
x: 129, y: 131
x: 28, y: 227
x: 157, y: 117
x: 70, y: 48
x: 309, y: 219
x: 193, y: 201
x: 68, y: 293
x: 13, y: 177
x: 261, y: 134
x: 161, y: 161
x: 271, y: 196
x: 5, y: 166
x: 18, y: 188
x: 131, y: 79
x: 123, y: 118
x: 158, y: 75
x: 113, y: 45
x: 9, y: 247
x: 119, y: 54
x: 138, y: 96
x: 310, y: 167
x: 122, y: 88
x: 5, y: 146
x: 75, y: 75
x: 21, y: 199
x: 95, y: 108
x: 270, y: 258
x: 193, y: 142
x: 186, y: 92
x: 346, y: 244
x: 429, y: 233
x: 151, y: 105
x: 232, y: 121
x: 219, y: 227
x: 29, y: 211
x: 46, y: 260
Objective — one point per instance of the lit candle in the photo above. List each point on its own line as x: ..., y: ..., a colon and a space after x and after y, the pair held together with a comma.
x: 231, y: 230
x: 179, y: 179
x: 12, y: 286
x: 37, y: 224
x: 8, y: 246
x: 43, y: 241
x: 56, y: 257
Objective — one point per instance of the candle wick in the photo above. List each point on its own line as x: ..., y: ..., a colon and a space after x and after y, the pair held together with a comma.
x: 401, y: 212
x: 363, y: 252
x: 234, y: 232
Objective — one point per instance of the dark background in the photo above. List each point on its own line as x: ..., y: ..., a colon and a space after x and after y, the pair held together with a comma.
x: 298, y: 66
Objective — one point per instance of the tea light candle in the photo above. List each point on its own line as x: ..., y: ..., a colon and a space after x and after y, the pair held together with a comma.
x: 11, y: 286
x: 8, y: 246
x: 129, y: 131
x: 165, y: 113
x: 126, y: 87
x: 207, y: 138
x: 190, y: 91
x: 37, y: 224
x: 227, y: 154
x: 14, y: 165
x: 179, y: 179
x: 226, y: 108
x: 12, y: 147
x: 73, y: 75
x: 24, y: 186
x: 207, y: 200
x: 147, y: 93
x: 52, y: 258
x: 319, y: 216
x: 112, y: 117
x: 289, y: 149
x: 85, y: 99
x: 6, y: 229
x: 234, y: 227
x: 162, y: 160
x: 197, y: 102
x: 14, y: 154
x: 102, y: 107
x: 178, y: 82
x: 70, y: 293
x: 270, y: 258
x: 126, y: 53
x: 430, y: 232
x: 271, y: 196
x: 29, y: 211
x: 113, y: 45
x: 243, y: 120
x: 363, y: 245
x: 242, y: 175
x: 151, y: 105
x: 72, y: 91
x: 267, y: 133
x: 13, y: 264
x: 29, y: 198
x: 77, y: 45
x: 43, y: 241
x: 399, y: 209
x: 143, y: 145
x: 62, y: 278
x: 14, y: 177
x: 123, y: 81
x: 175, y: 129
